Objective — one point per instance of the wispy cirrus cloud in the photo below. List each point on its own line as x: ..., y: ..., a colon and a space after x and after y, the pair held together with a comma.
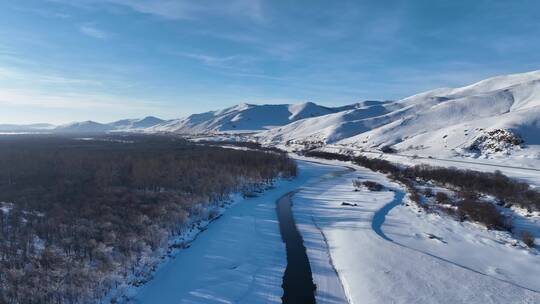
x: 43, y: 12
x: 240, y: 62
x: 20, y: 75
x: 185, y: 9
x: 94, y: 32
x: 208, y: 59
x: 182, y: 9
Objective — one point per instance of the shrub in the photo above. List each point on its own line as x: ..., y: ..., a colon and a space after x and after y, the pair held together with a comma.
x: 388, y: 149
x: 469, y: 195
x: 372, y: 186
x: 357, y: 183
x: 527, y: 238
x: 328, y: 155
x: 484, y: 213
x: 442, y: 198
x: 380, y: 165
x: 415, y: 197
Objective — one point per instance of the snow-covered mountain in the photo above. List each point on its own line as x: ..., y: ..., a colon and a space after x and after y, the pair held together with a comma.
x: 136, y: 124
x: 39, y: 127
x: 244, y: 118
x: 83, y: 127
x: 332, y: 127
x: 124, y: 125
x: 497, y: 115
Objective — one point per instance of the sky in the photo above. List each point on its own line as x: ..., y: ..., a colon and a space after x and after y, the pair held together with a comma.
x: 103, y: 60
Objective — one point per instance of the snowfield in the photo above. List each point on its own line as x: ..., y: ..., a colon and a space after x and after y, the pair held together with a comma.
x: 377, y: 251
x: 383, y: 254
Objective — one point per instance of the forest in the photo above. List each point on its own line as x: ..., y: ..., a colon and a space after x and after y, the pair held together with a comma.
x: 82, y: 218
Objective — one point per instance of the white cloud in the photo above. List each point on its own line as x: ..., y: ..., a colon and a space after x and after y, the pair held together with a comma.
x: 92, y: 31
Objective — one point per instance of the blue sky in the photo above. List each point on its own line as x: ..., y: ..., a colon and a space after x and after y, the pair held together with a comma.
x: 67, y: 60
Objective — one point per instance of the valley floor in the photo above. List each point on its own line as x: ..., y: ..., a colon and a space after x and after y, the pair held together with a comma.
x: 240, y: 258
x: 379, y: 251
x: 383, y: 254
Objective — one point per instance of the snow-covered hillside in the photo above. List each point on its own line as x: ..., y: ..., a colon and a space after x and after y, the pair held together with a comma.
x: 136, y: 124
x: 124, y: 125
x: 497, y: 116
x: 244, y: 118
x: 83, y: 127
x: 333, y: 127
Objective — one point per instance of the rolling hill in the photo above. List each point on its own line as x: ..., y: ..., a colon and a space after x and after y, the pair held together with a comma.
x: 498, y: 115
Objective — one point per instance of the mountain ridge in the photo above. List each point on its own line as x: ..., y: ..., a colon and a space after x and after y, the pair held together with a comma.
x: 243, y: 117
x: 468, y: 121
x: 447, y: 120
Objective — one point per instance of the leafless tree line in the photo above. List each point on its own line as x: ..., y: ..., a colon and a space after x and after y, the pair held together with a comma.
x: 80, y: 218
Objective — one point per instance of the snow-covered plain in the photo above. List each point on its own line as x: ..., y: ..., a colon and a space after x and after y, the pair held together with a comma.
x: 382, y: 253
x: 379, y: 251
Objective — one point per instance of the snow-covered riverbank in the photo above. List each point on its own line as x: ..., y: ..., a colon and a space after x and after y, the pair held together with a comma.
x: 377, y: 268
x: 240, y: 258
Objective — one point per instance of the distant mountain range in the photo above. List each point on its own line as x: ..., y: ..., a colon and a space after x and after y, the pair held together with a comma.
x: 244, y: 118
x: 499, y: 115
x: 85, y: 127
x: 26, y: 128
x: 124, y: 125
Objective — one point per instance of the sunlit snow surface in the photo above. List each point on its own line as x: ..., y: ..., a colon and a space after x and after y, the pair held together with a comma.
x: 470, y: 266
x: 241, y: 257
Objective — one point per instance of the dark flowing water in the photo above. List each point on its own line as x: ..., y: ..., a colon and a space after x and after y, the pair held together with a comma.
x: 298, y: 286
